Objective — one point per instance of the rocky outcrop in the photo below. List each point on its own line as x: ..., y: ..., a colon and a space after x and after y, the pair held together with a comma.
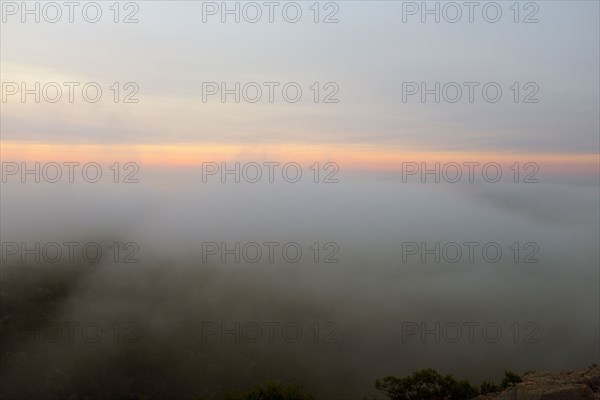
x: 560, y: 385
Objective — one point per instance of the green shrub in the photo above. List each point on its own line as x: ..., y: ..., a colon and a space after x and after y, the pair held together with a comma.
x: 426, y: 384
x: 510, y: 379
x: 488, y: 387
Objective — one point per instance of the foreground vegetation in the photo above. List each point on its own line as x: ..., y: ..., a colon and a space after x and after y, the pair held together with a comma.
x: 426, y: 384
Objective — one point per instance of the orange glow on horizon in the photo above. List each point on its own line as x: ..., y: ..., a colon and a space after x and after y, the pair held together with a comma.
x: 349, y: 156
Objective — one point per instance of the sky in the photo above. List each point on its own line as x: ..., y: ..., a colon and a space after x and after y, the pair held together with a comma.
x: 368, y: 54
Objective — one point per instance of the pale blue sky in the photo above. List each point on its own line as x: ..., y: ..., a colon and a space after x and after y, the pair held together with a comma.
x: 369, y: 53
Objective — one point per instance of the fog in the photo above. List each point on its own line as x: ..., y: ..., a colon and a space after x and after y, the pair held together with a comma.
x: 370, y: 305
x: 174, y: 287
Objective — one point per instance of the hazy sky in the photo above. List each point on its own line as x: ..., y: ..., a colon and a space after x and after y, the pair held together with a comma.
x: 369, y: 53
